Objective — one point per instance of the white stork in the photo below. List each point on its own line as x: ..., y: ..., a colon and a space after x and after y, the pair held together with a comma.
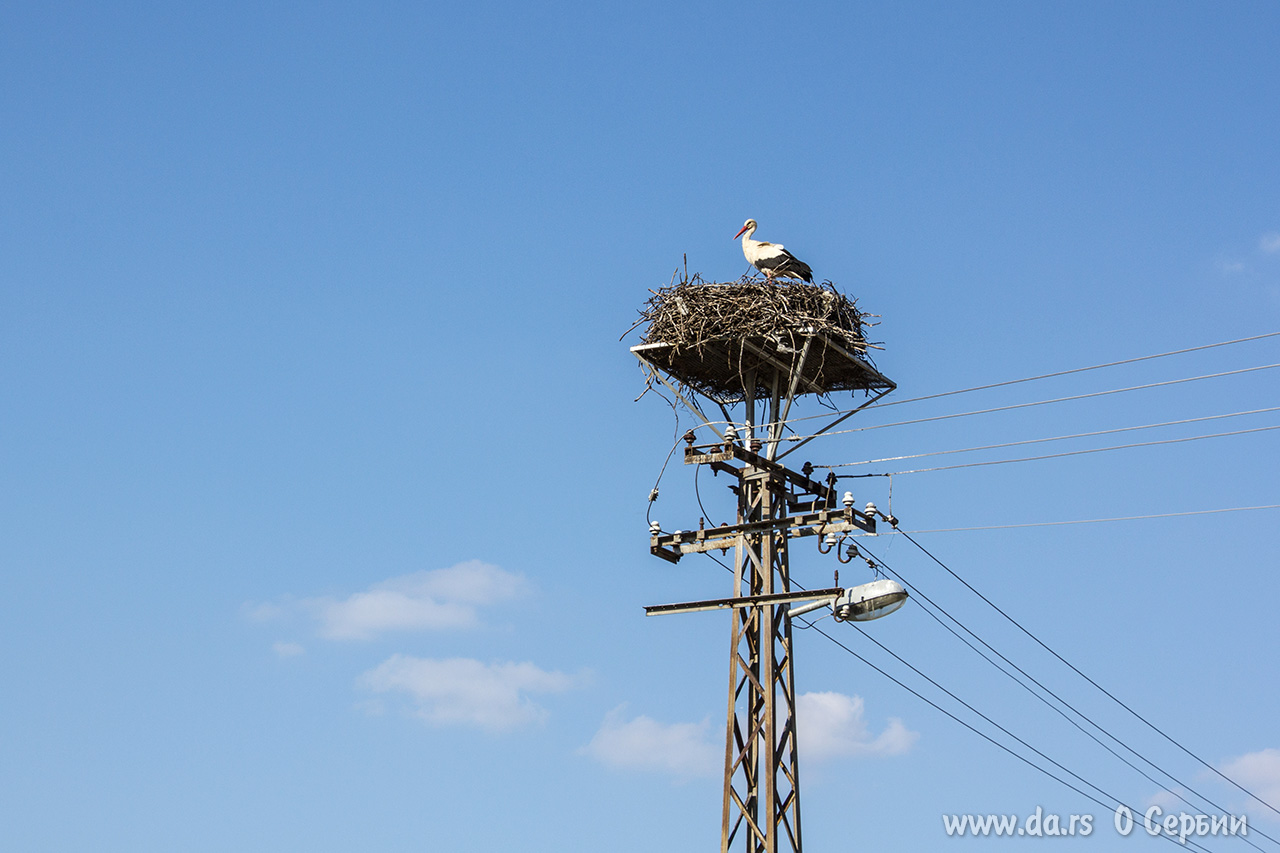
x: 771, y: 258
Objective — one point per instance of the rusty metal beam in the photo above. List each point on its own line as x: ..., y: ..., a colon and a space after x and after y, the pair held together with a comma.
x: 823, y: 521
x: 833, y: 424
x: 779, y: 365
x: 742, y: 601
x: 708, y: 454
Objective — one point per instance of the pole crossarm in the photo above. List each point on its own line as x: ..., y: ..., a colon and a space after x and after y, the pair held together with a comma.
x: 716, y: 455
x: 673, y: 546
x: 743, y: 601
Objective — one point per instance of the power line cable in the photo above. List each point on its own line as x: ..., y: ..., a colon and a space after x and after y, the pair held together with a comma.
x: 1051, y: 438
x: 1013, y: 406
x: 812, y: 624
x: 1092, y: 520
x: 1085, y: 452
x: 879, y: 405
x: 910, y: 666
x: 698, y: 494
x: 1046, y: 375
x: 653, y: 493
x: 987, y: 737
x: 1076, y: 670
x: 930, y: 603
x: 915, y: 590
x: 1077, y: 370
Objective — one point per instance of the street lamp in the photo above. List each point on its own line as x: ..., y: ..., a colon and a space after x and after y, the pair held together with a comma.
x: 859, y: 603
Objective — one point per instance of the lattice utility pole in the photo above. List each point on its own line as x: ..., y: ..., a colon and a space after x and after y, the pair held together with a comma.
x: 761, y: 770
x: 761, y: 807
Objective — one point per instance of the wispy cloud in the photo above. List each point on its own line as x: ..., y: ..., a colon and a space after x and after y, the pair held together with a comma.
x: 285, y: 649
x: 682, y: 750
x: 830, y: 725
x: 833, y: 725
x: 467, y: 692
x: 1250, y: 265
x: 1167, y: 800
x: 1259, y: 772
x: 435, y: 600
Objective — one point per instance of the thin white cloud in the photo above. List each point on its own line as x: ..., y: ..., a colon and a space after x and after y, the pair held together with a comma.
x: 427, y: 600
x: 436, y: 600
x: 285, y: 649
x: 262, y: 611
x: 1270, y: 242
x: 1167, y: 800
x: 833, y: 725
x: 467, y: 692
x: 1259, y: 772
x: 830, y: 725
x: 683, y: 750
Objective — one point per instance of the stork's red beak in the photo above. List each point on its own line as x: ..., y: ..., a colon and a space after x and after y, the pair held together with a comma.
x: 740, y: 230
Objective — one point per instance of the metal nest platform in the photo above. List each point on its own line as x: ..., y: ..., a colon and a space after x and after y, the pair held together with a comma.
x: 731, y: 342
x: 729, y: 369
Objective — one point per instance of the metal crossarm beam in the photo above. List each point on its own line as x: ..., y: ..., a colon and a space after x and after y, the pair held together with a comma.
x: 832, y: 425
x: 742, y: 601
x: 875, y: 375
x: 712, y: 453
x: 783, y: 368
x: 672, y: 546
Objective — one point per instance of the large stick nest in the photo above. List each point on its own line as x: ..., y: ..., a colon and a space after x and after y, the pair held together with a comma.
x: 719, y: 338
x: 691, y: 313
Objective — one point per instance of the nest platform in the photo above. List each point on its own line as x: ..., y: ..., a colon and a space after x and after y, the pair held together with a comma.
x: 742, y: 339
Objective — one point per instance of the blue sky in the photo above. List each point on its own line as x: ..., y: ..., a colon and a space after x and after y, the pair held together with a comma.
x: 323, y: 519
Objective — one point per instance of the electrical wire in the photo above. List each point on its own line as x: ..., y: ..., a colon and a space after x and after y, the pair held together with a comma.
x: 1052, y: 438
x: 811, y: 624
x: 1087, y: 520
x: 930, y: 603
x: 726, y: 566
x: 1079, y: 370
x: 808, y: 624
x: 880, y: 405
x: 1074, y: 669
x: 1091, y: 394
x: 798, y: 437
x: 1084, y: 452
x: 987, y: 737
x: 1048, y: 375
x: 653, y: 494
x: 698, y: 494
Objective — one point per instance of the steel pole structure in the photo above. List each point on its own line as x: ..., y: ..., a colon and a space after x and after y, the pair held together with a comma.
x: 761, y: 807
x: 761, y: 771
